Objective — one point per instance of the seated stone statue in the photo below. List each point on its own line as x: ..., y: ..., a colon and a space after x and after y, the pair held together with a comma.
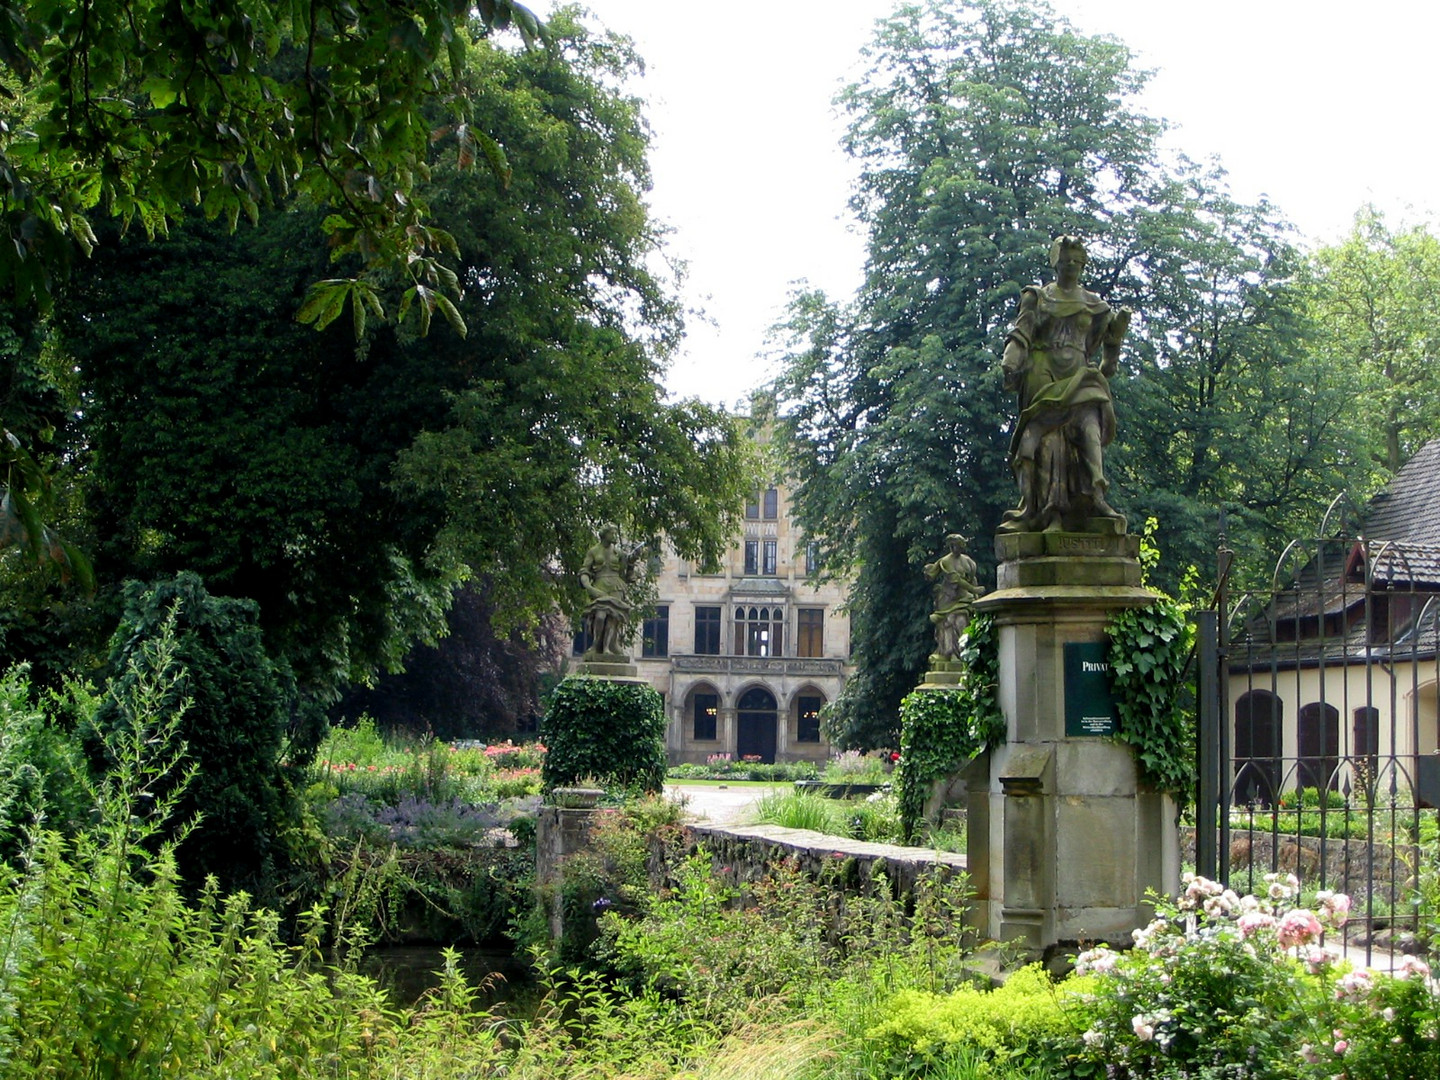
x: 607, y: 572
x: 1059, y: 356
x: 956, y: 589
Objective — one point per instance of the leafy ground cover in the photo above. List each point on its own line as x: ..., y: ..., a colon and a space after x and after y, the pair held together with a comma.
x: 440, y: 831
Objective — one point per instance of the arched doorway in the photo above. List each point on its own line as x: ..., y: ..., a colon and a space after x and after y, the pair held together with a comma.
x: 1258, y: 746
x: 756, y: 716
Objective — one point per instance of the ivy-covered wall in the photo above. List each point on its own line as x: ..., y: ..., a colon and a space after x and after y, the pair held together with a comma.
x: 941, y: 729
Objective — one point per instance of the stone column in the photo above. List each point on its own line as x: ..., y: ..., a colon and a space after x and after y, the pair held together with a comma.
x: 1063, y: 841
x: 726, y: 733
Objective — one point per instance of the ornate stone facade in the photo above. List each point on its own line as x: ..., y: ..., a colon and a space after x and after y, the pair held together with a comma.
x: 745, y: 657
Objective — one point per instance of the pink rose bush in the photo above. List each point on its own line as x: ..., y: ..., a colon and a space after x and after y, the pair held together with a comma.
x: 1225, y: 985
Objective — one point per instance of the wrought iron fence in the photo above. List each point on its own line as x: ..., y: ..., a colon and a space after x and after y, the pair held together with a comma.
x: 1318, y: 741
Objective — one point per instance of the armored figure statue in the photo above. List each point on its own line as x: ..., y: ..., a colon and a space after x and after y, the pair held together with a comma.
x: 607, y: 573
x: 1059, y: 356
x: 956, y: 589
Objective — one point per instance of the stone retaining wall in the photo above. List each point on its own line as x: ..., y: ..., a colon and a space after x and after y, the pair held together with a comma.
x: 1349, y: 866
x: 747, y: 851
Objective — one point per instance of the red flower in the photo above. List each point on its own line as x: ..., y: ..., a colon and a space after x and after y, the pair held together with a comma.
x: 895, y: 755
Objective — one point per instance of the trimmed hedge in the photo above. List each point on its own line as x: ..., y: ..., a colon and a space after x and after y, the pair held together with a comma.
x: 607, y: 729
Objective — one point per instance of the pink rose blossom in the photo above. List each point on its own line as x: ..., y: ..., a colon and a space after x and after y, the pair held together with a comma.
x: 1298, y: 927
x: 1412, y: 965
x: 1252, y: 921
x: 1353, y: 986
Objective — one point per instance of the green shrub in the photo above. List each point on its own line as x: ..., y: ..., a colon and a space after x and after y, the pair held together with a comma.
x: 42, y: 767
x: 1019, y: 1020
x: 791, y: 944
x: 234, y: 704
x: 609, y: 730
x: 611, y: 873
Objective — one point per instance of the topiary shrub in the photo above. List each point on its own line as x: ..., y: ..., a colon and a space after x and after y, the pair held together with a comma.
x: 609, y: 730
x: 235, y: 706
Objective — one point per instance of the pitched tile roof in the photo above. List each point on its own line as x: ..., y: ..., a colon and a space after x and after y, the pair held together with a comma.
x: 1408, y: 510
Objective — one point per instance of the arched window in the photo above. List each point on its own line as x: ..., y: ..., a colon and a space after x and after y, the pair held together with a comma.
x: 1365, y: 735
x: 807, y: 717
x: 1319, y: 738
x: 704, y: 710
x: 772, y: 504
x: 1258, y: 746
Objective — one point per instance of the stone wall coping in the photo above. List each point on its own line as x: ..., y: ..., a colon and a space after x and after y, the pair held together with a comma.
x: 813, y: 842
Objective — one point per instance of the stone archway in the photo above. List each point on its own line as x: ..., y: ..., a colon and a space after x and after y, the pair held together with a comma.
x: 756, y: 719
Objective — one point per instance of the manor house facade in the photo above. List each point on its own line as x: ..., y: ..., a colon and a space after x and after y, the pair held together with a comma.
x: 747, y: 656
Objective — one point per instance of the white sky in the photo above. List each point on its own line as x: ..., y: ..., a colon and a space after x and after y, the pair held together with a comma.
x: 1320, y: 105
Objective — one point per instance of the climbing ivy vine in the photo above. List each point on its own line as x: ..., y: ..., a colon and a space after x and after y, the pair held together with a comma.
x: 1149, y: 649
x: 941, y: 729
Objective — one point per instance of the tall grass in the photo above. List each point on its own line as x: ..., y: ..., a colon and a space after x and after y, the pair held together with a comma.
x: 875, y: 819
x: 802, y: 810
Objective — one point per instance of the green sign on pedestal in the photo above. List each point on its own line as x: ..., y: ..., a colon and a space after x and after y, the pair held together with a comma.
x: 1089, y: 709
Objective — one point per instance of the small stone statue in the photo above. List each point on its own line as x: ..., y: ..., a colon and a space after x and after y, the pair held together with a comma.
x: 956, y: 589
x: 607, y: 572
x: 1059, y: 357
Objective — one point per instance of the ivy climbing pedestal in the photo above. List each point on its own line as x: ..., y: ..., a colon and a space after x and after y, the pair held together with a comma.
x: 1064, y: 838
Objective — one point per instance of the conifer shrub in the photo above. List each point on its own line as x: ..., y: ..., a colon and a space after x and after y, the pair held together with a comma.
x: 233, y: 704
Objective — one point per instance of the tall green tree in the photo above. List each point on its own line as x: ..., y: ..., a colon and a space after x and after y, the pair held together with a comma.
x: 1225, y: 400
x: 983, y: 130
x: 138, y: 110
x: 1374, y: 298
x: 349, y: 487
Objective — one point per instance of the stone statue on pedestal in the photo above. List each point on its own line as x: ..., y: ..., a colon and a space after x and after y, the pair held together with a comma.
x: 607, y: 572
x: 1059, y: 355
x: 956, y: 589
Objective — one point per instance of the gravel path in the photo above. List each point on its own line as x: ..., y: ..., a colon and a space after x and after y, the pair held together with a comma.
x: 717, y: 804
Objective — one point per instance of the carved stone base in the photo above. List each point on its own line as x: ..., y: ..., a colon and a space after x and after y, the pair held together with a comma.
x: 1064, y: 841
x: 943, y: 674
x: 1066, y: 559
x: 607, y: 666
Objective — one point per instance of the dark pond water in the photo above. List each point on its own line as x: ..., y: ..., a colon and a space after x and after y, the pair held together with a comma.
x: 408, y: 971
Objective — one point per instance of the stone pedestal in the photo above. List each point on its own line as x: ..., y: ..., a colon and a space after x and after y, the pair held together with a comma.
x: 1063, y: 842
x: 607, y: 666
x: 559, y: 833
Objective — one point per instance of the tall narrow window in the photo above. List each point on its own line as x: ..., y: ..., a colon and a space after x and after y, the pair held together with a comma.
x: 707, y: 708
x: 812, y: 557
x: 807, y: 724
x: 769, y: 551
x: 752, y: 556
x: 752, y: 508
x: 655, y: 633
x: 707, y: 631
x: 759, y: 631
x: 1366, y: 745
x: 772, y: 504
x: 810, y: 632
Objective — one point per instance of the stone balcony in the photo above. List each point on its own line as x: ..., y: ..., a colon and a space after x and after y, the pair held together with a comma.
x: 758, y: 665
